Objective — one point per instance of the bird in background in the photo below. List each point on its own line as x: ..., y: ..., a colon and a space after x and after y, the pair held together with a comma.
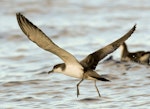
x: 141, y: 57
x: 84, y: 69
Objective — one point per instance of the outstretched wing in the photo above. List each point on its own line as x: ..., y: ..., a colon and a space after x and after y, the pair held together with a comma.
x: 38, y: 37
x: 91, y: 61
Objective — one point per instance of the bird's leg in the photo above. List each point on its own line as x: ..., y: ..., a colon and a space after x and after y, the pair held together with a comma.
x: 78, y: 93
x: 97, y: 89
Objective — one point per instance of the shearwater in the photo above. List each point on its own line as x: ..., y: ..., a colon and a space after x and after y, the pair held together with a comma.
x: 84, y: 69
x: 142, y: 57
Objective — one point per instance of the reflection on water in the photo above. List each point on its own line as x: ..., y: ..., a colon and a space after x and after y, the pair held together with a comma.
x: 80, y: 27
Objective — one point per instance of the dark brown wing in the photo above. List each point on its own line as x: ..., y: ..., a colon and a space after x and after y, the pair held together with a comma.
x: 38, y: 37
x: 91, y: 61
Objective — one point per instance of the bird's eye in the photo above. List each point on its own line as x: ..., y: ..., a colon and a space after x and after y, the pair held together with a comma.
x: 133, y: 56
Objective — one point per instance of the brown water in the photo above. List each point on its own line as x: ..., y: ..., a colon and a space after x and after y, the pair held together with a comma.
x: 80, y: 27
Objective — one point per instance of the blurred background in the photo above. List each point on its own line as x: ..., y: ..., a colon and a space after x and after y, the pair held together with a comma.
x: 80, y: 27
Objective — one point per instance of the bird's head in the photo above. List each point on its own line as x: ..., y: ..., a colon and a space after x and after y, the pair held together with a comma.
x: 58, y: 68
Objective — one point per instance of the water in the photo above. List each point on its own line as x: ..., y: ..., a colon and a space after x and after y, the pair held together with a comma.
x: 80, y: 27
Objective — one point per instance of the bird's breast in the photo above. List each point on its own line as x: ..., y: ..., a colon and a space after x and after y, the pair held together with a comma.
x: 74, y: 71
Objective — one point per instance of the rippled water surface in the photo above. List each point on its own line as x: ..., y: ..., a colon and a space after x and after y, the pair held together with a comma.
x: 80, y: 27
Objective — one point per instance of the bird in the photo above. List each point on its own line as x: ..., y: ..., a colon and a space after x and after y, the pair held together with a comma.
x: 142, y: 57
x: 84, y: 69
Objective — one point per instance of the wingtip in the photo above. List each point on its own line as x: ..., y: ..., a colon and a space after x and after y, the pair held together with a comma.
x: 135, y: 25
x: 133, y: 28
x: 18, y: 14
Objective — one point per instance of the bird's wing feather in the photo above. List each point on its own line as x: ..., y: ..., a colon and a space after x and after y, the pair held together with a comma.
x: 91, y: 61
x: 38, y: 37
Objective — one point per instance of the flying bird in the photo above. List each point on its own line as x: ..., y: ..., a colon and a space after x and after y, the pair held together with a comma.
x: 141, y: 57
x: 84, y: 69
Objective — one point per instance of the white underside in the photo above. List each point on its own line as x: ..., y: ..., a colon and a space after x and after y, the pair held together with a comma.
x: 76, y: 72
x: 73, y: 71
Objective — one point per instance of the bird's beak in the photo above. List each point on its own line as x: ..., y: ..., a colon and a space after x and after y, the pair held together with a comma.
x: 50, y: 72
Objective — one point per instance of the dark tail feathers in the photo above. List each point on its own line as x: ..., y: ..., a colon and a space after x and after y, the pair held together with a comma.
x: 103, y: 79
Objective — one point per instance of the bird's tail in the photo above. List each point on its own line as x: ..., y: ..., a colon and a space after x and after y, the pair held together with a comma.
x: 103, y: 79
x: 93, y: 74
